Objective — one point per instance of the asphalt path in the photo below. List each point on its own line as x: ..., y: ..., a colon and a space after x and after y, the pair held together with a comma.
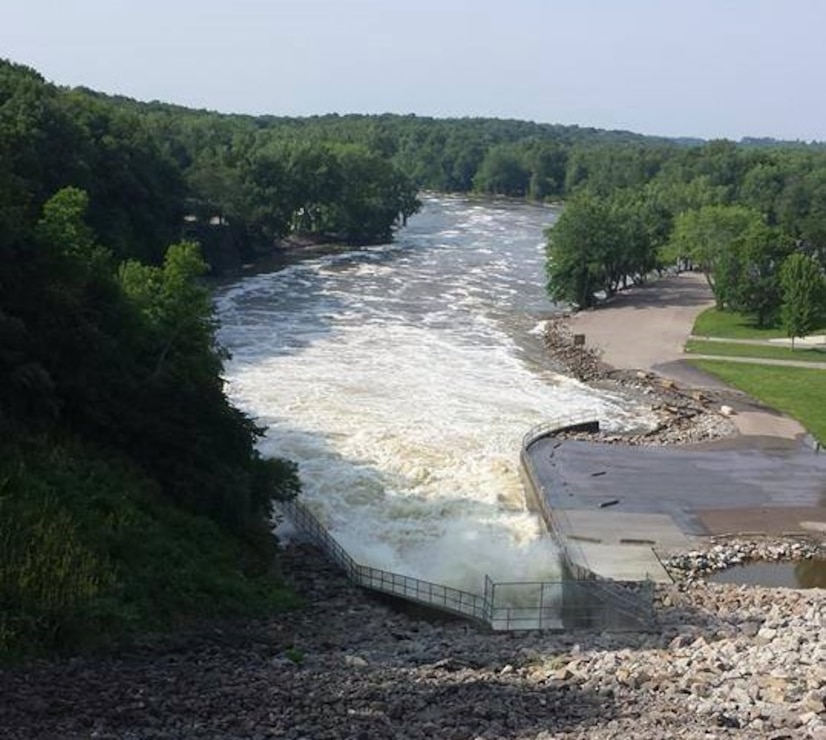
x: 646, y: 328
x: 615, y: 506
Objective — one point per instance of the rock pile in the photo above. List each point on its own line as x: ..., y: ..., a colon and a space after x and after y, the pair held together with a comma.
x: 695, y: 565
x: 683, y: 416
x: 727, y: 662
x: 581, y: 362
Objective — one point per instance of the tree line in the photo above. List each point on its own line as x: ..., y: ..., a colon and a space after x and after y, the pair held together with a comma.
x: 131, y: 490
x: 751, y: 219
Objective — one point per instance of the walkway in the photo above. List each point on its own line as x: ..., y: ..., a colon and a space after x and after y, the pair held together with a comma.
x: 618, y: 506
x: 759, y: 361
x: 815, y: 342
x: 646, y: 328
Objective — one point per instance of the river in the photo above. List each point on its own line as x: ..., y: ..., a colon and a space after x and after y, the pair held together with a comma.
x: 401, y: 379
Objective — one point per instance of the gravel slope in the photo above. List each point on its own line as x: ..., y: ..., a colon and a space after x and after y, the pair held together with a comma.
x: 728, y: 662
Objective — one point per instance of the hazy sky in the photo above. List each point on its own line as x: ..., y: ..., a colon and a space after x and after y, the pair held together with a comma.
x: 709, y: 68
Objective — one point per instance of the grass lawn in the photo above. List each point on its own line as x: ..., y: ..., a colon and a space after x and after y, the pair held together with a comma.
x: 700, y: 347
x: 715, y: 323
x: 797, y: 391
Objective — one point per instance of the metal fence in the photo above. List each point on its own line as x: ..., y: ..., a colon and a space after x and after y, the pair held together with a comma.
x: 446, y: 598
x: 631, y: 602
x: 560, y: 605
x: 559, y: 424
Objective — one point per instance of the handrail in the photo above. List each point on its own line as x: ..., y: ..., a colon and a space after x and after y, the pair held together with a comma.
x: 612, y: 591
x: 546, y: 428
x: 486, y: 609
x: 435, y: 594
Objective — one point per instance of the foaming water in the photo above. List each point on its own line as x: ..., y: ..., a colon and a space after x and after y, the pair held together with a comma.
x: 402, y: 379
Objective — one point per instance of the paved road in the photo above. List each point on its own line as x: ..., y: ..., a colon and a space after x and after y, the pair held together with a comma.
x: 646, y: 328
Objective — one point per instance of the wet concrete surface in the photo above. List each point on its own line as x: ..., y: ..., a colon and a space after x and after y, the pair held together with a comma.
x: 777, y: 488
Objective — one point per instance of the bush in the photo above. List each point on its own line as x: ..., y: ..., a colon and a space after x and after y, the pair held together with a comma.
x: 90, y: 553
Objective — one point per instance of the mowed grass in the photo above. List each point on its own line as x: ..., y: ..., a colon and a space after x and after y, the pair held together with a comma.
x: 799, y: 392
x: 715, y: 323
x: 804, y: 354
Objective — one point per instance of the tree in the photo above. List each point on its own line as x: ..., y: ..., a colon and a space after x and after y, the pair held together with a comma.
x: 757, y: 257
x: 706, y: 238
x: 761, y: 187
x: 643, y: 226
x: 582, y: 250
x: 502, y: 172
x: 803, y: 295
x: 373, y: 198
x: 178, y: 422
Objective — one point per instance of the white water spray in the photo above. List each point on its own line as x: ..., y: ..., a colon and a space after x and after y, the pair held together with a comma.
x: 394, y: 379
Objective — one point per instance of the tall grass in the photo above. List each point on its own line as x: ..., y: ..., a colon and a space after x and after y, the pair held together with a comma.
x: 47, y: 576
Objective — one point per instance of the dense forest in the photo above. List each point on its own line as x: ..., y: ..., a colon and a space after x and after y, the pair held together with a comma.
x: 738, y: 213
x: 131, y: 491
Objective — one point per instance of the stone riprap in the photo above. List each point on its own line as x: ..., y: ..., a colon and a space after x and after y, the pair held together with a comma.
x: 728, y: 662
x: 696, y: 564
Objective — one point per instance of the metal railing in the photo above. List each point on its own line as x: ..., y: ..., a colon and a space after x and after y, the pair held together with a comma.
x: 548, y: 429
x: 540, y: 605
x: 447, y: 598
x: 631, y: 600
x: 559, y: 424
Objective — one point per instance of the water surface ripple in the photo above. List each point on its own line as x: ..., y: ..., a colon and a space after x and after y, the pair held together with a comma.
x: 402, y: 378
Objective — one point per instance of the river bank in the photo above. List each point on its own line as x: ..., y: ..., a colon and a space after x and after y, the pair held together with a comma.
x: 728, y: 661
x: 684, y: 415
x: 645, y: 328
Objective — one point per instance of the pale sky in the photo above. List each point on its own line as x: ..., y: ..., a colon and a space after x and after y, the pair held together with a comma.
x: 706, y: 68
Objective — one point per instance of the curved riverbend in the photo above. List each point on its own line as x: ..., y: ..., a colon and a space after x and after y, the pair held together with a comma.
x: 402, y: 379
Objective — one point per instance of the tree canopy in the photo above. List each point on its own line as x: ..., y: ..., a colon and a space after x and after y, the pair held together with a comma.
x: 803, y: 286
x: 735, y: 213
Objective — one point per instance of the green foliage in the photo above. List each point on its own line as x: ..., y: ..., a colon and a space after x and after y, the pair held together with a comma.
x: 131, y: 491
x: 47, y: 575
x: 754, y: 277
x: 502, y: 172
x: 177, y: 421
x: 89, y: 552
x: 599, y: 244
x: 804, y: 295
x: 136, y: 191
x: 296, y: 655
x: 374, y: 197
x: 580, y: 244
x: 707, y: 237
